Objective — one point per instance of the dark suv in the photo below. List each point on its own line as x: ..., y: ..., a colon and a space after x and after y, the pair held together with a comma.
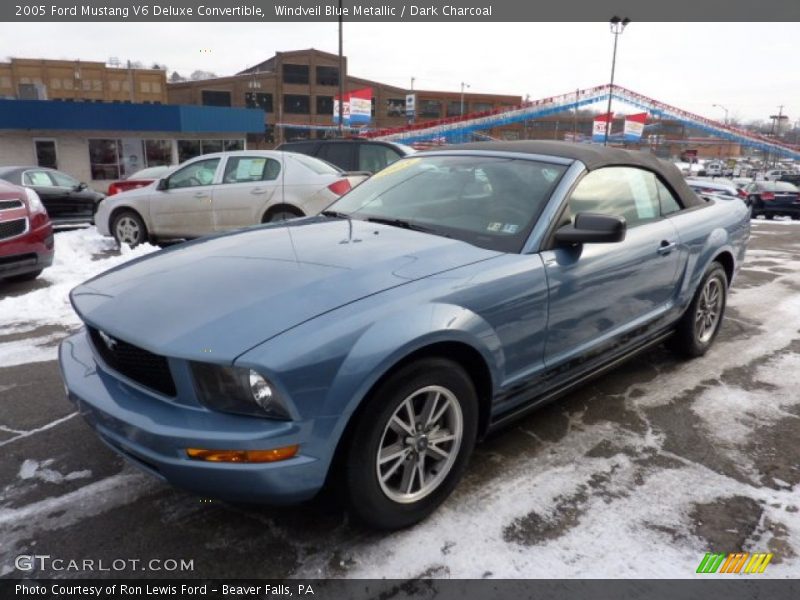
x: 351, y: 155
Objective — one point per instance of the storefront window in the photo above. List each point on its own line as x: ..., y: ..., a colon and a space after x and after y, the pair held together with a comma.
x: 104, y: 159
x: 188, y: 149
x: 158, y: 152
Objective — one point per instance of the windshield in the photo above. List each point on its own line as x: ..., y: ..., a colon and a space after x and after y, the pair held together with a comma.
x: 486, y: 201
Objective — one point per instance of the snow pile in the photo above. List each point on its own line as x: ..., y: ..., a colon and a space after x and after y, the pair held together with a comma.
x: 80, y: 255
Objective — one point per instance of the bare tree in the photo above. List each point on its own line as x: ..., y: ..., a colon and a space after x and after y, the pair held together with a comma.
x: 200, y: 74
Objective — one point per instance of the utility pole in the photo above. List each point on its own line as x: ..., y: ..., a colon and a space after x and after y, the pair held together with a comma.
x: 341, y: 74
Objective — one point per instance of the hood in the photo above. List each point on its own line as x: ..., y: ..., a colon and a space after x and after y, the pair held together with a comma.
x: 213, y: 299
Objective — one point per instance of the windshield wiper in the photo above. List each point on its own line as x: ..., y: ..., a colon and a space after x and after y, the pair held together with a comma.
x: 405, y: 225
x: 335, y: 214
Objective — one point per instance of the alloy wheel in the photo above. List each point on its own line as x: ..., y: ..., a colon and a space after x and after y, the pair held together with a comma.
x: 128, y: 231
x: 419, y: 444
x: 709, y: 309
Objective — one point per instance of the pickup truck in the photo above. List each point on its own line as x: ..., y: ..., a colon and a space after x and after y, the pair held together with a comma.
x: 371, y: 346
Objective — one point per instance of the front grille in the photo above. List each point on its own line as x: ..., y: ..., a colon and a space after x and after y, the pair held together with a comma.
x: 9, y: 204
x: 145, y: 368
x: 9, y: 229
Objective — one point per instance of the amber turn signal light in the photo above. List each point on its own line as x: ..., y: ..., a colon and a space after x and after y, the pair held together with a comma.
x: 243, y: 456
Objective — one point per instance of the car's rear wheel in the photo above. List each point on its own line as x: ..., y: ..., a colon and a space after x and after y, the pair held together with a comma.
x: 128, y: 228
x: 700, y: 324
x: 411, y: 444
x: 281, y: 213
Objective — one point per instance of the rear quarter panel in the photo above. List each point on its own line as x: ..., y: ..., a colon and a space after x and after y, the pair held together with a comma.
x: 720, y: 226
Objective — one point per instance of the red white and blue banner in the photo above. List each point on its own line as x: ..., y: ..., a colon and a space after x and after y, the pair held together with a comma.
x: 599, y: 126
x: 634, y: 126
x: 357, y: 109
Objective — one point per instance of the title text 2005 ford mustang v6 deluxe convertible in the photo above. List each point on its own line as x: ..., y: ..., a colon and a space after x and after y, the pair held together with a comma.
x: 372, y: 345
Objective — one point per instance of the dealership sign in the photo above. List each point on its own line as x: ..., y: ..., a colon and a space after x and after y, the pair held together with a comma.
x: 634, y: 126
x: 411, y: 105
x: 599, y: 126
x: 357, y: 108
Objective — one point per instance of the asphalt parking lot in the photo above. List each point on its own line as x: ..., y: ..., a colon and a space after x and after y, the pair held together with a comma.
x: 637, y: 475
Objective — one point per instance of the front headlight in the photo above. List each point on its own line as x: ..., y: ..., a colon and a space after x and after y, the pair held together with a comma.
x: 34, y: 202
x: 238, y: 390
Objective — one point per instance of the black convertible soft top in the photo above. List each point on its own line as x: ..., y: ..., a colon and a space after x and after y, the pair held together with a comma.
x: 595, y: 157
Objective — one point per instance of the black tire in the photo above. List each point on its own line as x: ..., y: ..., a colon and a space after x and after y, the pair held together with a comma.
x: 768, y: 216
x: 691, y: 339
x: 277, y: 214
x: 367, y: 497
x: 128, y: 228
x: 25, y: 276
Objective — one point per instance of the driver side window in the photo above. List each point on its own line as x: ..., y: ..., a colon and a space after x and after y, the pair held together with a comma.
x: 619, y: 191
x: 199, y: 173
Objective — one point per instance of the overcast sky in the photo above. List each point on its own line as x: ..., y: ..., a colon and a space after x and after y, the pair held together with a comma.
x: 750, y: 68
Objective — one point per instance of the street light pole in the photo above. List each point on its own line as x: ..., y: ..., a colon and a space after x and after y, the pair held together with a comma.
x: 341, y: 75
x: 617, y: 27
x: 723, y: 108
x: 463, y: 85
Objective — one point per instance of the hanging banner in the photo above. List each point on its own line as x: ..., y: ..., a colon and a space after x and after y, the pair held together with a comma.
x: 357, y: 109
x: 599, y: 127
x: 634, y: 126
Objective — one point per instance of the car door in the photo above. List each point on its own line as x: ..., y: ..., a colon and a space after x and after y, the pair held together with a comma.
x: 55, y: 199
x: 603, y: 297
x: 183, y: 208
x: 79, y: 199
x: 249, y: 185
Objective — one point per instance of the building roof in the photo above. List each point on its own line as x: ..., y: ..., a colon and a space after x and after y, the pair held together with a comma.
x: 105, y: 116
x: 595, y: 157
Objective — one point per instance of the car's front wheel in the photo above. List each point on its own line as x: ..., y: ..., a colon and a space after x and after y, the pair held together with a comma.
x: 128, y: 228
x: 700, y: 323
x: 411, y: 443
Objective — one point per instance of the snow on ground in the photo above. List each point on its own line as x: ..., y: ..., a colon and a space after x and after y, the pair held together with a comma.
x: 80, y: 254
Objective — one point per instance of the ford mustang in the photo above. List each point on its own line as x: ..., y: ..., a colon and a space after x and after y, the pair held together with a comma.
x: 371, y: 346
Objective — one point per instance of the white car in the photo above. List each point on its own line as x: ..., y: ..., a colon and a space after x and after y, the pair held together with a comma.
x: 221, y: 191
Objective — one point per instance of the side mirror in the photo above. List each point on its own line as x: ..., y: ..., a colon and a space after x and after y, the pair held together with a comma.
x: 163, y: 184
x: 81, y: 186
x: 592, y: 228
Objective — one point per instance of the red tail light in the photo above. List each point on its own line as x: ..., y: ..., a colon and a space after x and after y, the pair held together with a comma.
x: 340, y: 187
x: 742, y: 193
x: 113, y: 189
x: 766, y: 196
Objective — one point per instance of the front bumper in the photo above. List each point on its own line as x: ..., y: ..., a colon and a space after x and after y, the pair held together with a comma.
x: 30, y: 252
x: 153, y: 432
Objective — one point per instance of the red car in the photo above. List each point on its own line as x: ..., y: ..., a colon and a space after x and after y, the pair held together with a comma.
x: 26, y: 234
x: 139, y: 179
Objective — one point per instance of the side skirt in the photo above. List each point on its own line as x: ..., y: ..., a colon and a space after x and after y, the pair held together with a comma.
x: 505, y: 419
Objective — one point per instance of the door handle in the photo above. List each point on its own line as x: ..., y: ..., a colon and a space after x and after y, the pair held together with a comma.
x: 666, y: 247
x: 200, y: 194
x: 257, y: 190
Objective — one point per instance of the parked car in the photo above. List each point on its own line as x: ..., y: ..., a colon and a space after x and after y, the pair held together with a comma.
x: 369, y: 156
x: 776, y: 174
x: 774, y: 198
x: 377, y: 342
x: 725, y: 189
x: 221, y: 191
x: 26, y: 234
x: 67, y: 200
x: 793, y: 178
x: 139, y: 179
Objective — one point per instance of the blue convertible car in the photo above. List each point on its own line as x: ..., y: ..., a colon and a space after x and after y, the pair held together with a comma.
x: 374, y: 344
